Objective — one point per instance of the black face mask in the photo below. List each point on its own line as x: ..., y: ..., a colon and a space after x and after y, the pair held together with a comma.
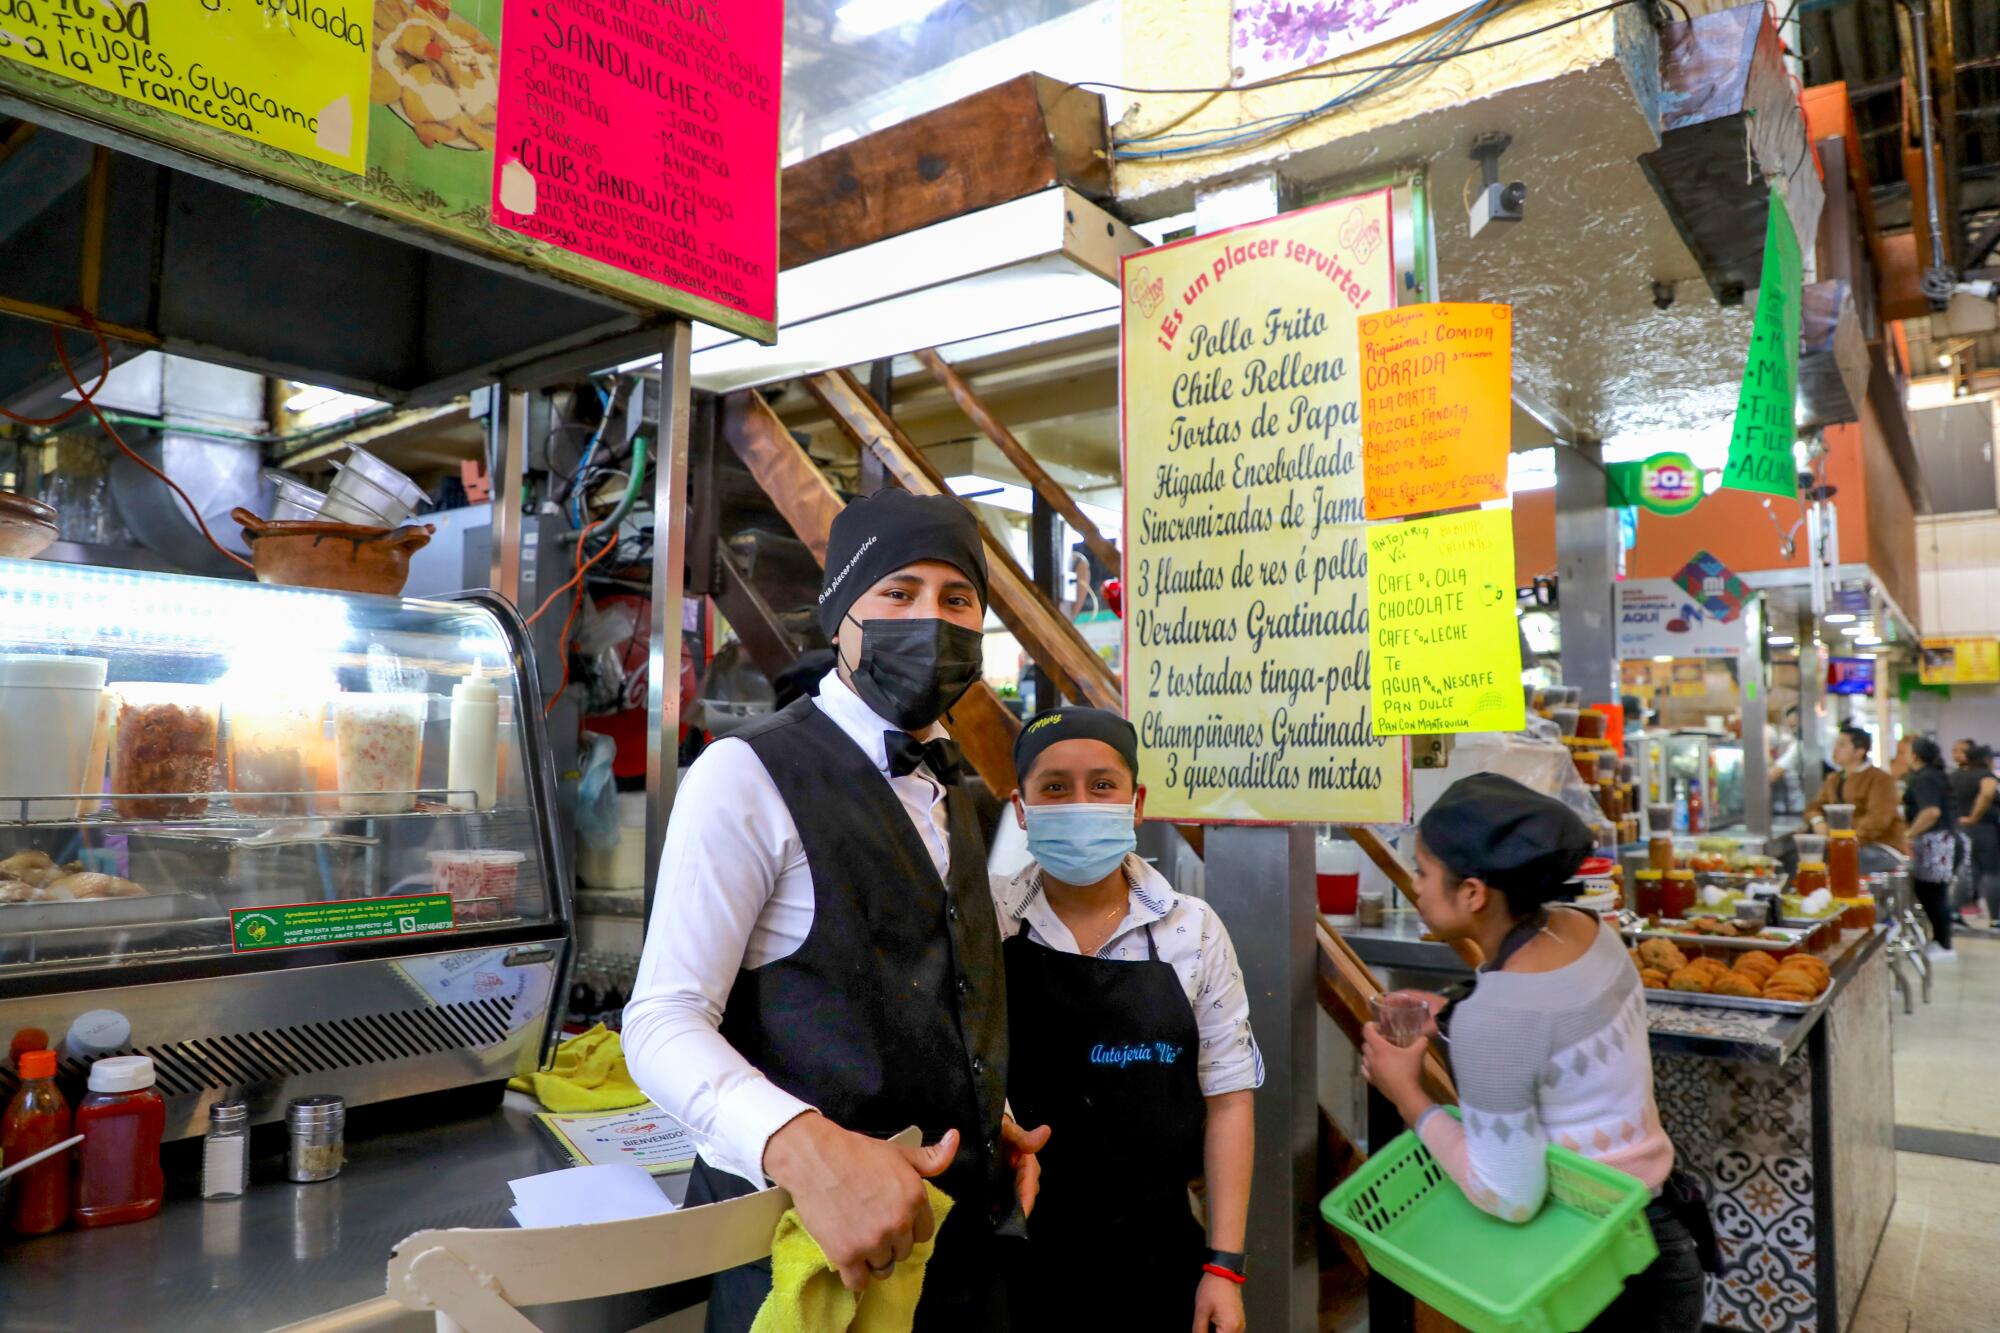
x: 911, y: 671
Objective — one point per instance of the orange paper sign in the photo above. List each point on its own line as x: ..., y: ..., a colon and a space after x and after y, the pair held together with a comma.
x: 1435, y: 415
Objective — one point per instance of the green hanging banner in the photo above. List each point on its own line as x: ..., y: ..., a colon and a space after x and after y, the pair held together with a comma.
x: 1760, y: 448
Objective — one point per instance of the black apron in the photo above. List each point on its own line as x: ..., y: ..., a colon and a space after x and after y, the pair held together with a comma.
x: 1104, y: 1053
x: 892, y: 1012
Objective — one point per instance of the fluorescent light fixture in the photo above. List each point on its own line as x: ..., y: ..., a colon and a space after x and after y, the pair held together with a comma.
x: 1531, y: 470
x: 1839, y: 618
x: 1039, y: 267
x: 985, y: 490
x: 1855, y: 631
x: 1780, y: 640
x: 865, y: 18
x: 1664, y: 657
x: 1868, y: 640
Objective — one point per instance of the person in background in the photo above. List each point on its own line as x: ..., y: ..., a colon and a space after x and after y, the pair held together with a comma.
x: 1878, y: 821
x: 1129, y: 1035
x: 1902, y: 761
x: 1968, y: 775
x: 1787, y: 791
x: 1973, y: 792
x: 1550, y: 1047
x: 822, y: 968
x: 1933, y: 844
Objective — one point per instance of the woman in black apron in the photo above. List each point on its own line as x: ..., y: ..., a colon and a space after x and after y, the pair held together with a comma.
x: 1105, y: 966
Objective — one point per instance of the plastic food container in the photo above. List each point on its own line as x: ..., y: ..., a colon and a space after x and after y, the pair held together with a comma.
x: 166, y: 744
x: 1557, y: 1271
x: 378, y: 746
x: 293, y: 501
x: 370, y: 492
x: 48, y: 715
x: 481, y: 884
x: 271, y: 743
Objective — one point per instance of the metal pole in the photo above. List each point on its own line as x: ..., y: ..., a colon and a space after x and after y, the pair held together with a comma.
x: 1812, y: 682
x: 1753, y: 687
x: 1260, y: 882
x: 663, y: 663
x: 1937, y: 280
x: 1586, y: 555
x: 1045, y: 565
x: 516, y: 407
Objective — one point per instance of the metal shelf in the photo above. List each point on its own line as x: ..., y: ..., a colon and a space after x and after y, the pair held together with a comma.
x: 428, y: 803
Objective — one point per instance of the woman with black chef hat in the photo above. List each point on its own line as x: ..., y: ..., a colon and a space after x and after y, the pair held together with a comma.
x: 1129, y: 1030
x: 1552, y: 1044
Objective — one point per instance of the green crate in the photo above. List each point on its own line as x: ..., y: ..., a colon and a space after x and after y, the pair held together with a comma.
x: 1553, y: 1274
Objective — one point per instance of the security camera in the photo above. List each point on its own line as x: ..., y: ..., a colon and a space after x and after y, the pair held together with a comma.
x: 1491, y: 200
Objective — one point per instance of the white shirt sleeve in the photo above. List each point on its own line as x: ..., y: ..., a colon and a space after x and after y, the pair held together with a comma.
x: 1229, y: 1059
x: 729, y: 841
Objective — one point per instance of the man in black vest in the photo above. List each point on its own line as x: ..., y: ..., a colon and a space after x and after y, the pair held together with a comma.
x: 823, y: 968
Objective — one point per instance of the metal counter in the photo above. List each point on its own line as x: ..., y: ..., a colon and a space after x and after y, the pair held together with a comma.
x: 1399, y: 948
x: 284, y: 1252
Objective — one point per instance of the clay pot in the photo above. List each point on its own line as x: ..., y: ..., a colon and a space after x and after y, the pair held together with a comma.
x: 27, y: 527
x: 342, y: 557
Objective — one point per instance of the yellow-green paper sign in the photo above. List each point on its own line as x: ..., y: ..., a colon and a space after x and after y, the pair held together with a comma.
x: 1441, y: 609
x: 289, y: 73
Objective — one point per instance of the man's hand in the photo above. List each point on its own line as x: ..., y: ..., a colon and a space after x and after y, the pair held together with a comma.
x: 1020, y: 1146
x: 1218, y: 1305
x: 863, y: 1200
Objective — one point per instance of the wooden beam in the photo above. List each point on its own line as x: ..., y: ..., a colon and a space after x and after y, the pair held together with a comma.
x: 1001, y: 143
x: 1044, y: 485
x: 96, y: 201
x: 1048, y: 636
x: 16, y: 138
x: 981, y: 724
x: 1345, y: 987
x: 49, y: 314
x: 1406, y: 882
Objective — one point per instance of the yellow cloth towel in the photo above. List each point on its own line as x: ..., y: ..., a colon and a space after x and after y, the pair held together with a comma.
x: 807, y: 1295
x: 588, y: 1075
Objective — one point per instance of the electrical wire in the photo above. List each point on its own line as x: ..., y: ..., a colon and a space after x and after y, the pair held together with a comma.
x: 580, y: 478
x: 1448, y: 42
x: 87, y: 398
x: 1352, y: 71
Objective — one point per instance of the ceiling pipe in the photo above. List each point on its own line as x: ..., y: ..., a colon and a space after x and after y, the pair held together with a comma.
x: 1938, y: 280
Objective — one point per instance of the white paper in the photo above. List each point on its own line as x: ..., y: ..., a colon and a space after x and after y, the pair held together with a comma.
x: 583, y: 1194
x: 336, y: 127
x: 642, y: 1136
x: 517, y: 187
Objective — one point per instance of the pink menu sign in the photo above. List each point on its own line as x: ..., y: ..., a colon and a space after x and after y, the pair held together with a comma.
x: 644, y: 134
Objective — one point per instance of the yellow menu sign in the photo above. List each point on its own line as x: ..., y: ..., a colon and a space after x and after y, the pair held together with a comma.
x: 1441, y: 607
x: 1436, y: 410
x: 1956, y: 661
x: 1246, y: 603
x: 290, y: 73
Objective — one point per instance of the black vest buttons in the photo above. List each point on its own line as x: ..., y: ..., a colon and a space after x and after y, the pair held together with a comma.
x: 965, y: 986
x: 978, y: 1067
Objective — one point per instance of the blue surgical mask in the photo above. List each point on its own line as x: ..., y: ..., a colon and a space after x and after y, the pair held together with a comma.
x: 1082, y: 842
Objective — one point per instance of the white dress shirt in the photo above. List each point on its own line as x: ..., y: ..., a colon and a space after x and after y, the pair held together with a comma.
x: 1190, y: 938
x: 735, y: 892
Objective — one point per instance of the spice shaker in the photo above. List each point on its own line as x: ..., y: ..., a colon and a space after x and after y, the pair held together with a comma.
x: 318, y: 1128
x: 225, y: 1151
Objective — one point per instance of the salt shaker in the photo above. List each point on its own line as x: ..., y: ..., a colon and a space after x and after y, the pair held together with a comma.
x: 318, y: 1128
x: 225, y: 1152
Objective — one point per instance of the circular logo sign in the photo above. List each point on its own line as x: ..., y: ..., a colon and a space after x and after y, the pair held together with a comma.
x: 1670, y: 484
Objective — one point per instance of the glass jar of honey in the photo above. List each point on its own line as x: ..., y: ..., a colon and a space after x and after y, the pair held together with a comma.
x: 1810, y: 879
x: 1678, y: 895
x: 1648, y: 892
x: 1843, y: 863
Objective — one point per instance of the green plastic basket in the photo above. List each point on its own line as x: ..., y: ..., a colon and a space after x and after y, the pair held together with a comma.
x: 1550, y: 1275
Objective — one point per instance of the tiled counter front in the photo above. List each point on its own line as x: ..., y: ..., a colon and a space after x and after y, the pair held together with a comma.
x: 1798, y: 1160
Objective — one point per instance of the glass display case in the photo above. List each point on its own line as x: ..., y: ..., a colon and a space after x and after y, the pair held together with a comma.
x: 283, y: 841
x: 1670, y: 764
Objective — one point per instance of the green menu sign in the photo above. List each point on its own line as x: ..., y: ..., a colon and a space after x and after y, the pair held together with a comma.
x: 1760, y: 448
x: 297, y: 925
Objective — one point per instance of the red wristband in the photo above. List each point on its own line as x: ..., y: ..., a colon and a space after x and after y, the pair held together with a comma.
x: 1222, y: 1272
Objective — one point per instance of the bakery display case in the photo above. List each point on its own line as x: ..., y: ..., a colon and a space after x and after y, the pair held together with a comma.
x: 283, y: 841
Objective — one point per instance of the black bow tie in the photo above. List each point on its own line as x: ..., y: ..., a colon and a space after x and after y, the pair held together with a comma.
x: 906, y: 752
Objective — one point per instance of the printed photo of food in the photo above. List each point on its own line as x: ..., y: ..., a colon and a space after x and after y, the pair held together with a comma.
x: 437, y: 73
